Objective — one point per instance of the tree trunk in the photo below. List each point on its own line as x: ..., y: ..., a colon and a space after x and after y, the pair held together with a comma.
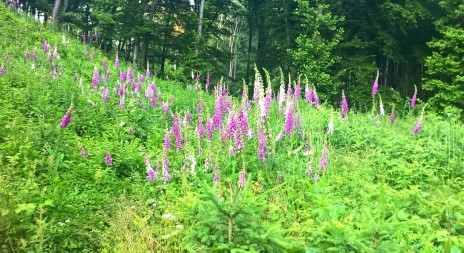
x: 136, y: 49
x: 144, y: 51
x: 200, y: 25
x: 65, y: 6
x: 56, y: 9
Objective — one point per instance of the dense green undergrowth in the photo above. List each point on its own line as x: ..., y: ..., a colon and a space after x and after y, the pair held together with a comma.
x: 384, y: 189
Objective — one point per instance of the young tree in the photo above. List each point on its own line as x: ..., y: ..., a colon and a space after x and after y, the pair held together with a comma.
x: 316, y: 45
x: 445, y: 67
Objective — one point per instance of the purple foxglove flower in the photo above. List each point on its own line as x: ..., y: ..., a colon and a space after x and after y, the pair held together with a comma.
x: 231, y: 151
x: 344, y: 105
x: 232, y: 127
x: 316, y: 177
x: 122, y: 76
x: 200, y: 106
x: 116, y: 62
x: 316, y: 99
x: 289, y: 121
x: 323, y: 161
x: 95, y: 78
x: 49, y: 57
x: 129, y: 74
x: 147, y: 73
x: 209, y: 128
x: 197, y: 82
x: 243, y: 121
x: 262, y: 148
x: 200, y: 128
x: 414, y: 97
x: 139, y: 82
x: 105, y: 95
x: 131, y: 130
x: 297, y: 92
x: 104, y: 64
x: 83, y: 152
x: 66, y: 119
x: 309, y: 170
x: 84, y: 37
x: 417, y: 126
x: 121, y: 90
x: 175, y: 130
x: 52, y: 67
x: 218, y: 110
x: 289, y: 91
x: 166, y: 174
x: 308, y: 95
x: 122, y: 101
x: 151, y: 174
x: 188, y: 117
x: 392, y: 116
x: 216, y: 177
x: 167, y: 141
x: 376, y: 85
x: 153, y: 102
x: 108, y: 159
x: 242, y: 179
x: 93, y: 52
x: 27, y: 54
x: 2, y: 71
x: 108, y: 73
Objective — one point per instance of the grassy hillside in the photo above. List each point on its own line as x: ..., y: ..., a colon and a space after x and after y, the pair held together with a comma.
x: 94, y: 158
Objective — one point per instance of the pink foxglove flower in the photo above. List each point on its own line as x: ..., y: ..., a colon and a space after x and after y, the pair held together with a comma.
x: 116, y: 62
x: 316, y: 178
x: 167, y: 141
x: 2, y: 71
x: 417, y: 127
x: 316, y: 99
x: 297, y: 94
x: 344, y: 105
x: 262, y: 147
x: 175, y: 130
x: 309, y: 170
x: 200, y: 128
x: 242, y: 179
x: 216, y: 177
x: 323, y: 161
x: 95, y: 78
x: 375, y: 87
x: 392, y: 116
x: 151, y: 174
x: 108, y: 159
x: 27, y: 54
x: 66, y: 119
x: 105, y: 95
x: 166, y: 174
x: 83, y: 152
x: 414, y: 98
x: 289, y: 121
